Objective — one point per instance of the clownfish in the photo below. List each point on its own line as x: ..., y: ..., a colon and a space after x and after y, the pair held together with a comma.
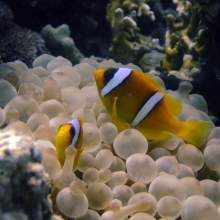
x: 70, y: 133
x: 134, y: 99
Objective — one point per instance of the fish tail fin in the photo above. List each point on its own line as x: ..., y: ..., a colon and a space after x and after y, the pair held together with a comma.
x: 194, y: 132
x: 79, y: 151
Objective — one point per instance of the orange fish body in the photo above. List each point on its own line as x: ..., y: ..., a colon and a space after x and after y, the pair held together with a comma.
x: 135, y: 98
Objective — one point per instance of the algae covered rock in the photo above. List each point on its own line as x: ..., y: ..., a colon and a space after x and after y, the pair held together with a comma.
x: 24, y: 185
x: 18, y: 43
x: 59, y: 41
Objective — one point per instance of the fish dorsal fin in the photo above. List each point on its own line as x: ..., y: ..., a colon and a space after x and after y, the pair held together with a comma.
x: 156, y: 84
x: 174, y: 105
x: 152, y: 81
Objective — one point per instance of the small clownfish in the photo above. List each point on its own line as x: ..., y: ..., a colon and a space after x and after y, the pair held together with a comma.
x: 134, y: 99
x: 70, y: 134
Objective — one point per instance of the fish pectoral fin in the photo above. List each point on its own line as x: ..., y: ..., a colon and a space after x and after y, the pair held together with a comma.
x: 79, y: 151
x: 114, y: 111
x: 155, y: 135
x: 121, y: 125
x: 87, y: 146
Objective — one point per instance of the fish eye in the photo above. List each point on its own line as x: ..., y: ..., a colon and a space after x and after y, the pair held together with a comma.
x: 109, y: 74
x: 72, y: 131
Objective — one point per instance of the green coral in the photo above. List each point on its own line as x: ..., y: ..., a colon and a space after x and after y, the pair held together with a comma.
x: 187, y: 40
x: 58, y: 40
x: 128, y: 45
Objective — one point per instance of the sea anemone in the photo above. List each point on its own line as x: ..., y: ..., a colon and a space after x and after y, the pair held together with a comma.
x: 120, y: 174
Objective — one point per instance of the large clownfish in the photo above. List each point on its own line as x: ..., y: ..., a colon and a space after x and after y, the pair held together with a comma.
x: 133, y: 97
x: 70, y: 134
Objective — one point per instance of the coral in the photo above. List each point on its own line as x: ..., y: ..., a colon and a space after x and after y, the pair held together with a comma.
x: 210, y: 13
x: 135, y: 8
x: 58, y: 40
x: 188, y: 40
x: 23, y: 179
x: 138, y: 8
x: 18, y: 43
x: 86, y: 20
x: 128, y: 45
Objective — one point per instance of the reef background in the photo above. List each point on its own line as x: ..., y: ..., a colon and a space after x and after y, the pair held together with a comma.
x: 92, y: 34
x: 47, y: 79
x: 86, y: 19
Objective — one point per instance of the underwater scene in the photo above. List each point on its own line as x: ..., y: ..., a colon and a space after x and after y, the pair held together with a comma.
x: 110, y: 110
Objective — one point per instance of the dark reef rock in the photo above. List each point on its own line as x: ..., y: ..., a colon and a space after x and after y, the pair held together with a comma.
x: 24, y: 185
x: 209, y: 11
x: 86, y: 20
x: 17, y: 43
x: 6, y: 16
x: 92, y: 34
